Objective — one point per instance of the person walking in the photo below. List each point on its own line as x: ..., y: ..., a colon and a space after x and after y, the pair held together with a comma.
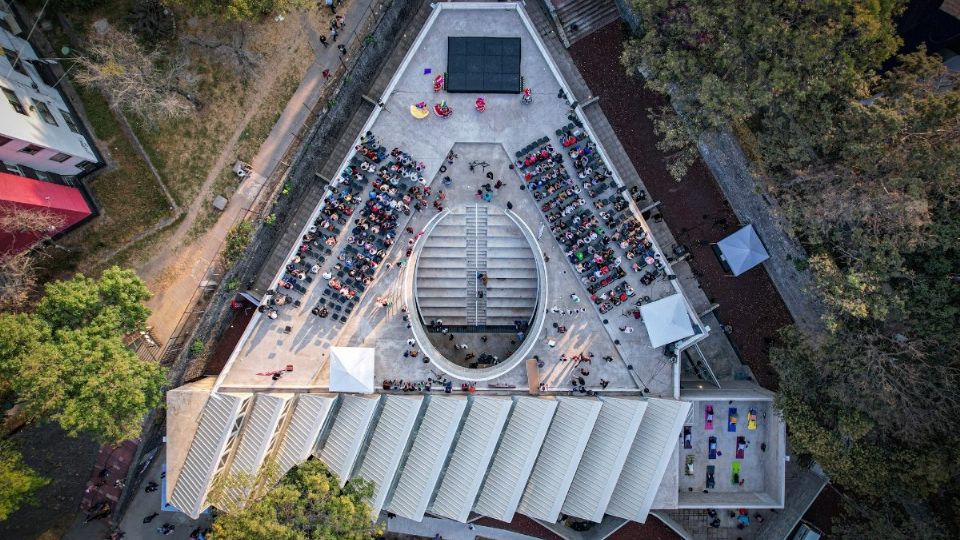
x: 333, y: 34
x: 323, y: 40
x: 342, y: 49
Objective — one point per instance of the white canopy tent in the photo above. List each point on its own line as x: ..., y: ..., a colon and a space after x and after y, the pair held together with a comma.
x: 351, y: 369
x: 666, y: 320
x: 742, y: 250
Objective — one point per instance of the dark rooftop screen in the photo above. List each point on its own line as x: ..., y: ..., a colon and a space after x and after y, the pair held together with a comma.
x: 483, y: 64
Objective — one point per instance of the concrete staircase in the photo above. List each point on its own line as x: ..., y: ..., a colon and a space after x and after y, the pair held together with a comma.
x: 441, y: 270
x: 577, y: 19
x: 464, y: 247
x: 476, y: 239
x: 511, y: 273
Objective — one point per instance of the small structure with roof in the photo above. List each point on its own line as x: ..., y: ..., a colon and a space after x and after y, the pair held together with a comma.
x: 741, y: 251
x: 351, y: 369
x: 667, y: 320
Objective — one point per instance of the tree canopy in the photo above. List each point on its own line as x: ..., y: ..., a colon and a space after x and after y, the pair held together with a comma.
x: 18, y: 482
x: 308, y: 504
x: 67, y: 362
x: 862, y: 151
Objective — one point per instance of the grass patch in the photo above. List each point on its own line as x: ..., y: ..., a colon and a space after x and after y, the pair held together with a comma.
x: 129, y: 194
x: 184, y: 150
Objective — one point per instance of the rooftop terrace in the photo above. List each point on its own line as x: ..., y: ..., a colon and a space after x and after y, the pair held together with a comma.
x: 486, y: 145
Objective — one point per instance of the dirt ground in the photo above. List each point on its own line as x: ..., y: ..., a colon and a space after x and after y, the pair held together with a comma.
x: 695, y: 208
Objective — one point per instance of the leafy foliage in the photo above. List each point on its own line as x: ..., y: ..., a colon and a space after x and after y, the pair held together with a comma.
x: 867, y: 169
x: 18, y: 482
x: 237, y: 241
x: 307, y: 504
x: 784, y: 64
x: 68, y: 362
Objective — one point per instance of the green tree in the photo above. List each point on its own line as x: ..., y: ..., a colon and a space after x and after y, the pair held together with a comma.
x: 68, y: 361
x: 18, y: 482
x: 115, y: 302
x: 784, y: 66
x: 308, y: 504
x: 237, y: 241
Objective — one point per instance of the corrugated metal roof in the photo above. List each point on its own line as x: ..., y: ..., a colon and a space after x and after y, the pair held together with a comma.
x: 640, y: 478
x: 603, y: 458
x: 387, y: 445
x: 348, y: 434
x: 306, y: 422
x: 217, y: 422
x: 431, y: 445
x: 515, y: 457
x: 559, y: 457
x: 472, y: 454
x: 258, y: 432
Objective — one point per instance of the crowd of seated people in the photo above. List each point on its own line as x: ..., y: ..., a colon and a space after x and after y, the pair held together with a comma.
x: 394, y: 180
x: 594, y: 237
x: 400, y: 385
x: 374, y: 189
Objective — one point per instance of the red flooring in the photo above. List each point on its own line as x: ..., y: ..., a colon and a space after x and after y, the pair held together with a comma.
x: 520, y: 524
x: 116, y: 461
x: 230, y: 338
x: 653, y: 529
x: 695, y: 208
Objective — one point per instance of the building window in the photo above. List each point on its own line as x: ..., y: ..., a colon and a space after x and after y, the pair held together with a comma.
x: 45, y: 112
x: 84, y: 165
x: 12, y: 58
x: 68, y: 120
x: 4, y: 140
x: 31, y: 149
x: 14, y: 100
x: 60, y: 157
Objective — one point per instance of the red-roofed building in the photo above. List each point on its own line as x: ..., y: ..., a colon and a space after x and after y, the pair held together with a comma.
x: 27, y: 193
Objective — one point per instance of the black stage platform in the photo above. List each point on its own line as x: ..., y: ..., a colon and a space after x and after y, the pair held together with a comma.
x: 482, y: 64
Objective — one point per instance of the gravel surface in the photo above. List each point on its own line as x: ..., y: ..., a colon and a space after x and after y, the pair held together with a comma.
x: 694, y: 208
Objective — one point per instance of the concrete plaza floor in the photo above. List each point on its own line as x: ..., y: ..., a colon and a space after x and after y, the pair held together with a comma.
x: 491, y: 137
x: 752, y: 465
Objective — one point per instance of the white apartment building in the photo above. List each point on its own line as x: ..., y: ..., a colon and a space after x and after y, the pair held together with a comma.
x: 37, y: 128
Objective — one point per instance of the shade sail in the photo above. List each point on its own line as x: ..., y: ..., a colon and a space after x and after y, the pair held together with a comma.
x: 742, y: 250
x: 351, y: 369
x: 666, y: 320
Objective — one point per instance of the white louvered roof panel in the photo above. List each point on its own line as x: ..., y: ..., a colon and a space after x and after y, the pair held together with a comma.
x: 309, y: 416
x: 472, y: 454
x: 656, y: 440
x: 258, y: 431
x: 216, y: 423
x: 420, y: 472
x: 559, y: 457
x: 603, y: 458
x: 514, y: 458
x: 387, y: 445
x: 347, y: 434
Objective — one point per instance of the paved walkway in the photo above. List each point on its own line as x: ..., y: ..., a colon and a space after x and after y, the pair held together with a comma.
x: 194, y: 260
